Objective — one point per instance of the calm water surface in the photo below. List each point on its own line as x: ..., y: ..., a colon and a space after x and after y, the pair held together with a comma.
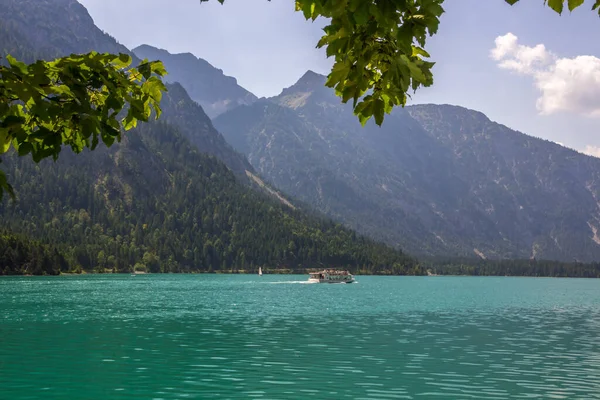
x: 207, y: 336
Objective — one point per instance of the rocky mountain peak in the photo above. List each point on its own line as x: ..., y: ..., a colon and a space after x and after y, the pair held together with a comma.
x: 309, y: 82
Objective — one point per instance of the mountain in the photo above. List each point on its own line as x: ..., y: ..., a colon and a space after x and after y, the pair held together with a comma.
x: 434, y: 179
x: 207, y: 85
x: 33, y: 29
x: 168, y: 198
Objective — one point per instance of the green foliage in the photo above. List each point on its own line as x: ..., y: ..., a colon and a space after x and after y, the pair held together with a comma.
x: 377, y: 47
x: 74, y: 101
x: 139, y: 267
x: 21, y: 255
x: 558, y: 5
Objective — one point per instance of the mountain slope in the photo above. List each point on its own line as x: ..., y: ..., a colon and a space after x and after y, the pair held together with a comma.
x: 207, y: 85
x: 534, y: 191
x: 184, y: 113
x: 311, y: 147
x: 49, y: 29
x: 435, y: 180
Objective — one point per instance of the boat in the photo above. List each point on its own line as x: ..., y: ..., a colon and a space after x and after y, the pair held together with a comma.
x: 259, y: 271
x: 331, y: 276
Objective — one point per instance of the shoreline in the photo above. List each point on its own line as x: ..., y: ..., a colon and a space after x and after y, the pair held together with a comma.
x: 290, y: 272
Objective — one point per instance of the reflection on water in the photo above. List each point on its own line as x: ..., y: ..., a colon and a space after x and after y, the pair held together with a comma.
x: 169, y: 337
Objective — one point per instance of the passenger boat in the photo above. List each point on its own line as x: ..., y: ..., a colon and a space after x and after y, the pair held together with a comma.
x: 331, y: 276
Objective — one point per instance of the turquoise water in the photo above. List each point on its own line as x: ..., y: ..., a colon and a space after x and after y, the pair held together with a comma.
x: 244, y: 336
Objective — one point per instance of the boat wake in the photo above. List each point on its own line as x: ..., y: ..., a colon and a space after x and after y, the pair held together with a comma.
x: 304, y: 283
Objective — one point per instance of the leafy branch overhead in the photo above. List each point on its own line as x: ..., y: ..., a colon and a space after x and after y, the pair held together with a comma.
x: 379, y: 48
x: 558, y: 5
x: 74, y: 101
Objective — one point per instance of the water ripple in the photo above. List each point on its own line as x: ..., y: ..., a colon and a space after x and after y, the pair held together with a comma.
x: 169, y: 337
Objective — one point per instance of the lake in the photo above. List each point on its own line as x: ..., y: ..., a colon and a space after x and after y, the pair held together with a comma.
x: 276, y: 337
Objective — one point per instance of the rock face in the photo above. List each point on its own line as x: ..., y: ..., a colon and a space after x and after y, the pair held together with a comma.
x: 434, y: 179
x: 206, y: 85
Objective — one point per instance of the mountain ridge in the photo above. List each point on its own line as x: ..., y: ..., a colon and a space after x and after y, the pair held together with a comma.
x: 207, y: 85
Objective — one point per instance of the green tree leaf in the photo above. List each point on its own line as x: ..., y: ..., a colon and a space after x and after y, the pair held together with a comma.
x: 65, y: 102
x: 556, y: 5
x: 573, y: 4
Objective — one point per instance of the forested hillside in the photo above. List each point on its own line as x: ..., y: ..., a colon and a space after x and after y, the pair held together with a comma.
x: 156, y: 201
x: 19, y: 254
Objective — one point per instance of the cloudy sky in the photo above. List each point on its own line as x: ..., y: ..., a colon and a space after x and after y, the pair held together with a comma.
x: 523, y: 66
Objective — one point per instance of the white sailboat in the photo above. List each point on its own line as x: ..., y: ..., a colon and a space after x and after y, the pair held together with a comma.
x: 259, y: 271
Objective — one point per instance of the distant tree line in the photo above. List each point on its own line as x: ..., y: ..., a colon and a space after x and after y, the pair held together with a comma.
x: 527, y: 267
x: 21, y: 255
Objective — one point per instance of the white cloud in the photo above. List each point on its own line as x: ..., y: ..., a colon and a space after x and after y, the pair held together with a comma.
x: 565, y: 84
x: 523, y: 59
x: 592, y: 151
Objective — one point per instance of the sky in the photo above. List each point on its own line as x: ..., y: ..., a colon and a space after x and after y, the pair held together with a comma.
x: 523, y: 66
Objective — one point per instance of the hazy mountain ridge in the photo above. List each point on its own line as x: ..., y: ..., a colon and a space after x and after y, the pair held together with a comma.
x: 206, y: 85
x: 434, y: 179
